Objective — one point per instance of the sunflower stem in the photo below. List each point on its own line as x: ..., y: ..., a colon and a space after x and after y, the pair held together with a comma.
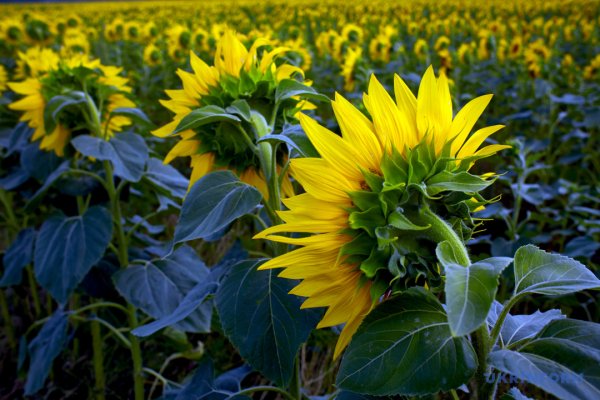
x: 122, y: 246
x: 8, y: 325
x: 98, y: 359
x: 440, y: 231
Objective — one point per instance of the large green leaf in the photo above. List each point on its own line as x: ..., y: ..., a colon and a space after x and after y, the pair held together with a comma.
x: 470, y: 292
x: 215, y: 201
x: 126, y: 151
x: 405, y: 347
x: 196, y: 296
x: 66, y: 249
x: 46, y: 346
x: 262, y: 320
x: 564, y: 360
x: 17, y: 257
x: 537, y: 271
x: 203, y: 116
x: 159, y: 286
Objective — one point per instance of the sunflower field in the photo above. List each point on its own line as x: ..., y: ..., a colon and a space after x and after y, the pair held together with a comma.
x: 300, y: 200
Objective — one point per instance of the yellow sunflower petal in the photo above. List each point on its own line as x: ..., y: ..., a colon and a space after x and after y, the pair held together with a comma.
x: 465, y: 119
x: 477, y: 139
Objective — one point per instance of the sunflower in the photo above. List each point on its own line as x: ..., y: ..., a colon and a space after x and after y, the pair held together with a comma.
x: 3, y: 79
x: 369, y: 198
x: 152, y: 55
x: 35, y: 62
x: 38, y: 91
x: 237, y: 73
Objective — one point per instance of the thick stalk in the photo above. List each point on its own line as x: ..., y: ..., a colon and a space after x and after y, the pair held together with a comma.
x: 10, y: 333
x: 122, y: 246
x: 296, y: 384
x: 37, y: 305
x: 440, y: 231
x: 98, y: 357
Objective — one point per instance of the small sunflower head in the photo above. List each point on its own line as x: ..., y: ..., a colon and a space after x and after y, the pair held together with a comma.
x: 238, y: 94
x: 55, y: 102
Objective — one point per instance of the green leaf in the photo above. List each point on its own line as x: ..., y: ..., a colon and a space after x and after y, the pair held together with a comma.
x: 214, y: 201
x: 204, y: 385
x: 67, y: 248
x: 166, y: 179
x: 302, y: 147
x: 404, y: 347
x: 203, y: 116
x: 460, y: 182
x: 17, y: 257
x: 46, y: 346
x: 445, y: 254
x: 159, y: 287
x: 134, y: 114
x: 50, y: 180
x: 126, y: 151
x: 288, y: 88
x: 240, y: 108
x: 262, y: 320
x: 563, y: 360
x: 59, y: 103
x: 470, y: 292
x: 520, y: 327
x: 514, y: 394
x: 537, y: 271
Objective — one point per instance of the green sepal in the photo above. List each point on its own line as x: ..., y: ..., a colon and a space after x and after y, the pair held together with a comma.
x: 374, y: 181
x: 386, y: 236
x: 375, y: 262
x: 389, y: 199
x: 400, y: 221
x: 360, y: 245
x: 394, y: 168
x: 367, y: 220
x: 364, y: 200
x: 460, y: 182
x: 378, y: 288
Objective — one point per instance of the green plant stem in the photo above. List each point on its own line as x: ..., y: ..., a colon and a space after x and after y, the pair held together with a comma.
x: 122, y: 246
x: 482, y: 336
x: 296, y: 384
x: 11, y: 219
x: 274, y: 389
x: 501, y: 317
x: 98, y: 359
x: 454, y: 394
x: 37, y: 306
x: 440, y: 231
x: 99, y: 305
x: 8, y: 326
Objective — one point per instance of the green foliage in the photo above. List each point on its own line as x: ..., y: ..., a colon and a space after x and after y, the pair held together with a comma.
x: 405, y: 347
x: 214, y: 202
x: 67, y: 247
x: 127, y: 152
x: 265, y: 323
